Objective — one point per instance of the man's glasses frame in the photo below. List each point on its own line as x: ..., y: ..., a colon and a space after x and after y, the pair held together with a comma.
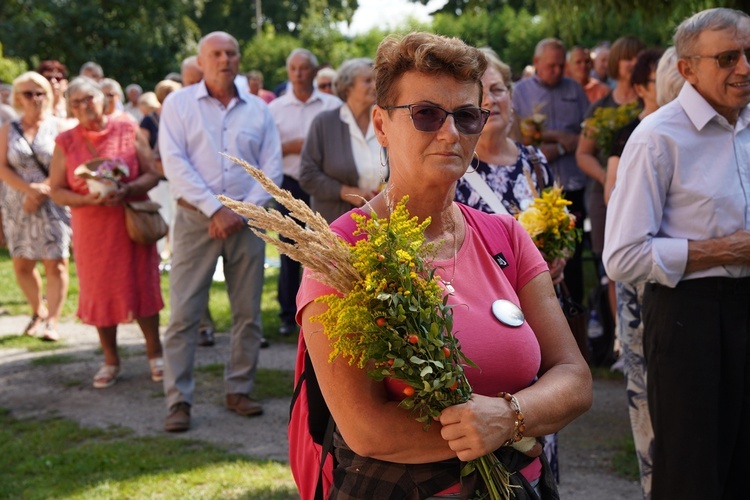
x: 430, y: 117
x: 727, y: 59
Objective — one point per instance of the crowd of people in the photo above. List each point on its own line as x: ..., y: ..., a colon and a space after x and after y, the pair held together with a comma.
x: 447, y: 124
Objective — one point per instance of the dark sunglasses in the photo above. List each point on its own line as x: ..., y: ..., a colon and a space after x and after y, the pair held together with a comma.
x: 324, y: 85
x: 28, y: 94
x: 429, y: 118
x: 54, y: 76
x: 728, y: 59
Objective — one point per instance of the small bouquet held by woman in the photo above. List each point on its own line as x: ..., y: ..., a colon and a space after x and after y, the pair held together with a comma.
x: 389, y: 315
x: 102, y: 174
x: 605, y: 122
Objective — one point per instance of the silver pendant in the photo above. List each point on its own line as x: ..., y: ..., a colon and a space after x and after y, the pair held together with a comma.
x: 449, y: 287
x: 507, y: 312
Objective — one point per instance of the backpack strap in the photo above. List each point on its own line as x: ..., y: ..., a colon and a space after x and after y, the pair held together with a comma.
x: 326, y: 448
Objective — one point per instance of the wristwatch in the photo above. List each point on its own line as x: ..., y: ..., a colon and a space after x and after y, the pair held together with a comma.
x: 561, y: 150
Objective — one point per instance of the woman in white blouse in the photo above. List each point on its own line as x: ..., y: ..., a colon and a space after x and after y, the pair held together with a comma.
x: 340, y: 166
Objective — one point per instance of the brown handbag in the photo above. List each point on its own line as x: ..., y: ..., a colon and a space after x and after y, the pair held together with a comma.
x: 144, y: 222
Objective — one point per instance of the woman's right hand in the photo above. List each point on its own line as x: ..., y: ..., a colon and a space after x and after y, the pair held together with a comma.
x: 92, y: 199
x: 36, y: 194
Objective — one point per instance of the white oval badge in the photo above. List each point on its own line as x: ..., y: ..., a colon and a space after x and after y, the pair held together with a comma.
x: 507, y: 312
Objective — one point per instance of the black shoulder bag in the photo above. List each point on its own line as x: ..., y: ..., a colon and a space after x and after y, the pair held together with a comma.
x: 39, y: 164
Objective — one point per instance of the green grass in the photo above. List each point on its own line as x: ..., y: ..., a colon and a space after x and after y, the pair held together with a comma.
x: 12, y: 302
x: 625, y: 460
x: 56, y: 458
x: 55, y: 359
x: 31, y: 344
x: 268, y: 383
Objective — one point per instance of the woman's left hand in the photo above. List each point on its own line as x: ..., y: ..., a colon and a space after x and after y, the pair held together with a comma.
x: 477, y: 427
x: 556, y: 268
x: 116, y: 196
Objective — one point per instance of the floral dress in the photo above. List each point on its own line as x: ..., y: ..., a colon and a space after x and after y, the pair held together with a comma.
x: 46, y: 233
x: 509, y: 182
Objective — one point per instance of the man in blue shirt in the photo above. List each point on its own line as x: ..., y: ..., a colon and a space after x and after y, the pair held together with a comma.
x: 563, y: 102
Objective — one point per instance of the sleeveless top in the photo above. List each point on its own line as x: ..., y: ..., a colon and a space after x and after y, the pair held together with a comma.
x: 44, y: 234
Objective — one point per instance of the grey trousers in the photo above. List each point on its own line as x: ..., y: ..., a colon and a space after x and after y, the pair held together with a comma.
x: 194, y: 257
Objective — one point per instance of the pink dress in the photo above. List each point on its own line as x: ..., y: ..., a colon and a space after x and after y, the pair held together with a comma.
x: 118, y: 278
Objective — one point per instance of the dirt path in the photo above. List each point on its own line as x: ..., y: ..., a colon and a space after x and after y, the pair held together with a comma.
x: 31, y: 388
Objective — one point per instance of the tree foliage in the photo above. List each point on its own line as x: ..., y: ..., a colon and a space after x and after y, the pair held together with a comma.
x: 285, y: 16
x: 140, y: 41
x: 10, y: 68
x: 134, y: 41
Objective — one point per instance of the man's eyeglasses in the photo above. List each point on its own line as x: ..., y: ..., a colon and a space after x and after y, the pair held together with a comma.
x: 728, y: 59
x: 110, y: 95
x: 326, y: 85
x: 429, y: 118
x: 74, y: 103
x: 28, y: 94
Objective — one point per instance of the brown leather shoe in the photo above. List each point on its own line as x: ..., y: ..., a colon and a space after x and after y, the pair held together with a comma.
x: 178, y: 419
x: 243, y: 405
x: 206, y: 336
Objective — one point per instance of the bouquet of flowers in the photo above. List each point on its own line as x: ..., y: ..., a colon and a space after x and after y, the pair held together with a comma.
x: 606, y: 121
x: 102, y: 174
x: 532, y: 127
x: 389, y: 315
x: 550, y: 225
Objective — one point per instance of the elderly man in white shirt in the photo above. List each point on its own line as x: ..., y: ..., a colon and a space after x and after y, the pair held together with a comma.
x: 197, y: 124
x: 679, y: 218
x: 293, y: 113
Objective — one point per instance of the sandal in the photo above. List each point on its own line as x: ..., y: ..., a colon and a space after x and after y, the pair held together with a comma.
x: 106, y: 376
x: 50, y: 334
x: 34, y: 325
x: 157, y: 369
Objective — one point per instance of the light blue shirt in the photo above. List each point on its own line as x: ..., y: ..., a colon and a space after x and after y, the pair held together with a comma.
x: 195, y: 128
x: 684, y: 176
x: 564, y: 106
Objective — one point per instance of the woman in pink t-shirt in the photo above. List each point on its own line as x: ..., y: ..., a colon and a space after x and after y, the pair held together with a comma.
x: 428, y: 121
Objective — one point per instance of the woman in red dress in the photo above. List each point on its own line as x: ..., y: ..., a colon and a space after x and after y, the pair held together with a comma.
x: 118, y: 278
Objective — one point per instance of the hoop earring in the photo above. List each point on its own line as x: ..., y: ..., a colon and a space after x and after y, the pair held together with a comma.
x: 472, y: 163
x: 383, y: 163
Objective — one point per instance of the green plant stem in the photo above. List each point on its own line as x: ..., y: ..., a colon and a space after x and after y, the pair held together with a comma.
x: 495, y: 477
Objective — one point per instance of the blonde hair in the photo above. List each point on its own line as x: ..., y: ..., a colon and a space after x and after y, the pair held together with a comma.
x: 494, y: 61
x: 164, y: 88
x: 149, y: 100
x: 34, y: 77
x: 669, y: 81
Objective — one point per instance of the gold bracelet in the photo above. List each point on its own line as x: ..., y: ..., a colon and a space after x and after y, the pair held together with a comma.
x: 518, y: 426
